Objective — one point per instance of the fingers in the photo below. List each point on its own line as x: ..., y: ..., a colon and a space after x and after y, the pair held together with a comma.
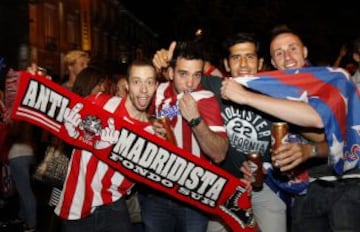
x: 290, y: 165
x: 76, y: 109
x: 111, y: 124
x: 72, y: 119
x: 110, y: 134
x: 171, y: 50
x: 159, y: 129
x: 188, y: 107
x: 162, y: 57
x: 245, y: 168
x: 288, y: 156
x: 223, y: 90
x: 32, y: 68
x: 72, y: 115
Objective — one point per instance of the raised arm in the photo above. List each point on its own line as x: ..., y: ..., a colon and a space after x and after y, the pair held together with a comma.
x: 296, y: 112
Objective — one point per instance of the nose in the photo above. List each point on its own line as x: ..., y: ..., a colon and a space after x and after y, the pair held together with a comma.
x: 143, y: 88
x: 189, y: 82
x: 287, y: 54
x: 243, y: 61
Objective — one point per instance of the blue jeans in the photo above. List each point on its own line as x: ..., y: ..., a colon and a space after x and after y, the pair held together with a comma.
x: 328, y: 206
x: 110, y: 218
x: 20, y: 170
x: 161, y: 214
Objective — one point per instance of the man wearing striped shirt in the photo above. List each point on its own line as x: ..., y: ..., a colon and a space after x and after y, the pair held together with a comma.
x: 93, y: 194
x: 194, y: 115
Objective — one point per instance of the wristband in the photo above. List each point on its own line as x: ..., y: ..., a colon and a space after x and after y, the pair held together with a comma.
x: 195, y: 121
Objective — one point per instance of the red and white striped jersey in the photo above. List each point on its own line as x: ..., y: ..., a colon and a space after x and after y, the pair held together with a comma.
x: 166, y: 104
x: 91, y: 182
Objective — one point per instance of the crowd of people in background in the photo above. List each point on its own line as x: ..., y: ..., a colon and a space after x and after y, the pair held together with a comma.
x: 173, y: 75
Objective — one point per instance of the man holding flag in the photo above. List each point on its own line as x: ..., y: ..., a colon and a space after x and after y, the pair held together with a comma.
x: 333, y: 174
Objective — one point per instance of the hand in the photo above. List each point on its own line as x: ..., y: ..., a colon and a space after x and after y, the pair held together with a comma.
x: 233, y: 91
x: 248, y: 186
x: 159, y: 129
x: 245, y: 169
x: 290, y: 155
x: 109, y: 136
x: 162, y: 57
x: 33, y: 68
x: 343, y: 51
x: 72, y: 120
x: 188, y: 107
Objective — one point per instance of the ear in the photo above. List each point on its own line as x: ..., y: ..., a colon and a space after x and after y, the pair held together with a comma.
x: 260, y: 63
x: 226, y: 65
x: 171, y: 73
x: 273, y: 63
x: 305, y: 52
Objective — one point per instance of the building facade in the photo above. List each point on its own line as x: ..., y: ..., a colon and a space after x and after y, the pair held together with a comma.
x: 47, y: 29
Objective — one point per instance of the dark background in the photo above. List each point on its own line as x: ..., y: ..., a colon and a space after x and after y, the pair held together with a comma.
x: 323, y: 25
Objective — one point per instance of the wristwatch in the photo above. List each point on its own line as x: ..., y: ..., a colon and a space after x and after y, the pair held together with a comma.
x: 314, y: 150
x: 195, y: 121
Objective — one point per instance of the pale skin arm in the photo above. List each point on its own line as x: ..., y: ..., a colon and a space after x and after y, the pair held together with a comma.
x: 296, y: 112
x: 315, y: 135
x: 212, y: 144
x: 288, y: 156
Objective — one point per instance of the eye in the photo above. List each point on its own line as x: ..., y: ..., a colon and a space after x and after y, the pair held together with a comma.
x: 235, y: 57
x: 150, y: 82
x: 182, y: 74
x: 279, y: 53
x: 198, y: 75
x: 251, y: 56
x: 293, y: 48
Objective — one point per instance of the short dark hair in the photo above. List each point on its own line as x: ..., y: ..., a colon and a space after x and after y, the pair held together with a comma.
x: 189, y: 50
x: 140, y: 62
x: 282, y: 29
x: 241, y: 37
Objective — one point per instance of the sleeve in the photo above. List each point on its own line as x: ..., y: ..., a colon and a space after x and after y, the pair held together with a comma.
x: 211, y: 113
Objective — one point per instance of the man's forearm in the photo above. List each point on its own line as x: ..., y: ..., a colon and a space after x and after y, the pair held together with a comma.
x: 212, y: 144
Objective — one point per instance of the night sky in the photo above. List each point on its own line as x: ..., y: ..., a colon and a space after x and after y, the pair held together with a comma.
x: 323, y: 30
